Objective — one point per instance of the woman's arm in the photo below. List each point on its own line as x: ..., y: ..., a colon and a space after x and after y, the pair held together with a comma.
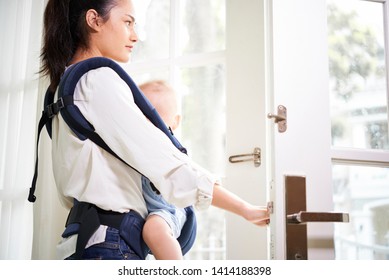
x: 224, y: 199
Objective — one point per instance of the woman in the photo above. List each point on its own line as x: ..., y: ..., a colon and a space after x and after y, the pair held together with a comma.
x: 76, y: 30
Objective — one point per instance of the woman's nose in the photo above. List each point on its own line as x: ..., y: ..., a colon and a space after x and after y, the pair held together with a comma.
x: 134, y: 36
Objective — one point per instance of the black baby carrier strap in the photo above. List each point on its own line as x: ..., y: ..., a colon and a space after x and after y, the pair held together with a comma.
x: 85, y: 130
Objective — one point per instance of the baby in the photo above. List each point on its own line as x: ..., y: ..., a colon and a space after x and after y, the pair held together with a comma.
x: 164, y: 223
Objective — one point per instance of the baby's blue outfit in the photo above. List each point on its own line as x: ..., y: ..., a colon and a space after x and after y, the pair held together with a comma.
x: 156, y: 205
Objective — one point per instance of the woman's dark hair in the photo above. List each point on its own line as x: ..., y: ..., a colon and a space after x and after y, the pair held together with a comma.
x: 65, y: 30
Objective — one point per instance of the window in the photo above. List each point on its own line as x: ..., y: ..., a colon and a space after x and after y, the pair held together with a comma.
x: 183, y: 42
x: 358, y: 59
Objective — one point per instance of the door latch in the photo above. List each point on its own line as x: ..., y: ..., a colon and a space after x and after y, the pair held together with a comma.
x: 279, y: 118
x: 255, y: 156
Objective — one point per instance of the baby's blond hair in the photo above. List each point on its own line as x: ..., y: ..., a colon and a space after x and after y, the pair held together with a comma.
x: 163, y: 98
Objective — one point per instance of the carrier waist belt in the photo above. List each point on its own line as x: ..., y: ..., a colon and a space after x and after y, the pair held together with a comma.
x: 85, y: 218
x: 108, y: 218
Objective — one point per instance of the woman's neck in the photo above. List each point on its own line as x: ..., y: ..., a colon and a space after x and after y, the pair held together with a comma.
x: 82, y: 54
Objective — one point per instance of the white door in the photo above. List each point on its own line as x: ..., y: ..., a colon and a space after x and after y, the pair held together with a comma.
x: 277, y: 55
x: 300, y: 82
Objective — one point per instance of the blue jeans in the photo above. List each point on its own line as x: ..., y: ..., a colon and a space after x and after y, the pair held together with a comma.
x: 113, y: 248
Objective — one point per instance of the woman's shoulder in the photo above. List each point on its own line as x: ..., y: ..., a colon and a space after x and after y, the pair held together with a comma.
x: 97, y: 82
x: 102, y: 77
x: 103, y: 73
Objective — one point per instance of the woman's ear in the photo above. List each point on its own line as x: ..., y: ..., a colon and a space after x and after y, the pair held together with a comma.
x: 93, y: 20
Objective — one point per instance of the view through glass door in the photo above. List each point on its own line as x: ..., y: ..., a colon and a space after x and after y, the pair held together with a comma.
x: 358, y: 39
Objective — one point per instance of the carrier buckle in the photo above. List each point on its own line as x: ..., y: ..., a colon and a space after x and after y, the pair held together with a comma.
x: 54, y: 108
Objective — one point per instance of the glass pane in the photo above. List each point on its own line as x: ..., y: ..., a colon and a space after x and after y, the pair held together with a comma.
x: 358, y: 86
x: 139, y: 78
x: 153, y: 30
x: 203, y: 134
x: 363, y: 192
x: 203, y: 115
x: 202, y: 26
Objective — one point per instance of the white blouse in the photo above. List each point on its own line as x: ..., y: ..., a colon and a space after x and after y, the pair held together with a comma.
x: 84, y: 171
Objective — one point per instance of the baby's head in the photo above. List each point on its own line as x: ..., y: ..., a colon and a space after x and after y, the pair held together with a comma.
x: 164, y: 99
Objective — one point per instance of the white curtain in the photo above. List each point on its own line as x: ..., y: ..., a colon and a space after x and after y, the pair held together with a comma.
x: 26, y: 230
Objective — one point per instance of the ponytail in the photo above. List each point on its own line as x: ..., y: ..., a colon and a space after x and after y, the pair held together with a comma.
x: 65, y: 30
x: 58, y: 45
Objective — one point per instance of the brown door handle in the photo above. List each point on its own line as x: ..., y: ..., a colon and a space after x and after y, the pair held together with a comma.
x: 305, y: 217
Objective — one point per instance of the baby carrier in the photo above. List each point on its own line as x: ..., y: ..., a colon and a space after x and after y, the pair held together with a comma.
x: 84, y: 218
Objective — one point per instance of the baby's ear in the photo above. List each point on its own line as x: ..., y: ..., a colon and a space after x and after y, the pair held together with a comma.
x: 176, y: 122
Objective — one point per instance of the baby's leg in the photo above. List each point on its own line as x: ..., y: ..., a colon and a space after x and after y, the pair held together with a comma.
x: 158, y: 236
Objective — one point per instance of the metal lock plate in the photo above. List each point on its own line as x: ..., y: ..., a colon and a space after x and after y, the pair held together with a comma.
x: 279, y: 118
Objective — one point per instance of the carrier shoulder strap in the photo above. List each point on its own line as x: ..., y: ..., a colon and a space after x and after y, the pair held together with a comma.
x: 72, y: 76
